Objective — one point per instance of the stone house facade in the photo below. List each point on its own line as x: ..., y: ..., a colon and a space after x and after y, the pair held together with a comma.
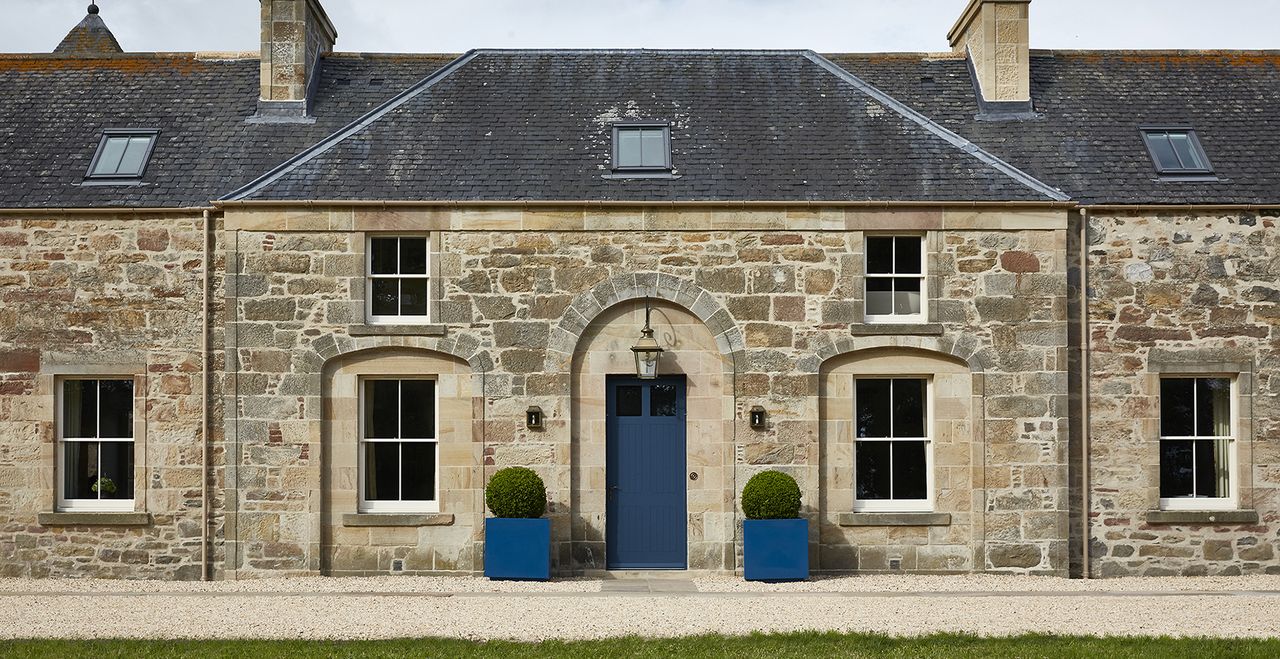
x: 970, y: 355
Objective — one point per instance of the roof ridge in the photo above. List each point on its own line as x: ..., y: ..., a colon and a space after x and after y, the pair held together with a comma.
x: 350, y: 129
x: 951, y: 137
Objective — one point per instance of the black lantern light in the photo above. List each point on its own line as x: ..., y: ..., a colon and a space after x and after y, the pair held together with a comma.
x: 647, y: 350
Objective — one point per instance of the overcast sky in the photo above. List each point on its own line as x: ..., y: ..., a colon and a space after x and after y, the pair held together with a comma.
x: 451, y: 26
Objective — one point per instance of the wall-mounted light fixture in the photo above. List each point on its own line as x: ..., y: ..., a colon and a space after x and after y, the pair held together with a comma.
x: 647, y: 350
x: 758, y: 417
x: 533, y: 418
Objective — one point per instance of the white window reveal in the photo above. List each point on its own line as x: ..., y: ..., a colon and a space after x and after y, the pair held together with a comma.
x: 1197, y: 443
x: 399, y: 282
x: 398, y: 446
x: 895, y: 279
x: 893, y: 461
x: 95, y: 445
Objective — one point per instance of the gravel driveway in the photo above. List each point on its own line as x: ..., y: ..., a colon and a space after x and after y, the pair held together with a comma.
x: 478, y: 609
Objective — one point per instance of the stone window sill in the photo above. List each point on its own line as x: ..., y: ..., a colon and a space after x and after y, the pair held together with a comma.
x: 893, y: 329
x: 396, y: 519
x: 396, y: 330
x: 1202, y: 517
x: 895, y: 519
x: 93, y: 519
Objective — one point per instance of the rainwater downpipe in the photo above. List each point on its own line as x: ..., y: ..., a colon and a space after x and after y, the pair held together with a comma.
x: 204, y: 402
x: 1085, y: 430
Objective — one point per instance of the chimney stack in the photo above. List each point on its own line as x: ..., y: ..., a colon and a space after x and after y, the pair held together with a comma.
x: 995, y: 35
x: 295, y: 34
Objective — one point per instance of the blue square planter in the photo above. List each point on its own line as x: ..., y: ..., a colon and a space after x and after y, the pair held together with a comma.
x: 775, y: 549
x: 517, y: 548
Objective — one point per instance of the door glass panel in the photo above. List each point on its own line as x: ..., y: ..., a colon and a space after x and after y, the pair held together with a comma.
x: 628, y: 401
x: 662, y: 400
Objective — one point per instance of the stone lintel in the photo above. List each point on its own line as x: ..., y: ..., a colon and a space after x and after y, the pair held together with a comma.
x: 396, y: 330
x: 1202, y: 517
x: 887, y: 329
x: 394, y: 519
x: 93, y: 519
x: 895, y: 519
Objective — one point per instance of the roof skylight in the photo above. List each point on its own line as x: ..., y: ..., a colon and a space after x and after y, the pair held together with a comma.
x: 123, y: 154
x: 1176, y: 151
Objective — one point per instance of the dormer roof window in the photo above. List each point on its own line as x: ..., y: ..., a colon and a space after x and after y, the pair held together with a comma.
x: 122, y: 155
x: 1177, y: 152
x: 642, y: 147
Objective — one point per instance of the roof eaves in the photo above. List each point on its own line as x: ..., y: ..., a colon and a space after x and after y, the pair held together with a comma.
x: 318, y: 149
x: 932, y: 126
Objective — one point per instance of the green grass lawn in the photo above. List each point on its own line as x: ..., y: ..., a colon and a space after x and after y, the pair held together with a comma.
x: 772, y: 646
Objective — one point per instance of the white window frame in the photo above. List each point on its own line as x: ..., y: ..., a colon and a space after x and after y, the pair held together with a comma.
x: 366, y: 506
x: 895, y: 318
x: 1231, y: 501
x: 424, y: 319
x: 924, y: 505
x: 92, y: 505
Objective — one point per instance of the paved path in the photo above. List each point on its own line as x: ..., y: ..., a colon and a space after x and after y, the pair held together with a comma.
x: 641, y: 606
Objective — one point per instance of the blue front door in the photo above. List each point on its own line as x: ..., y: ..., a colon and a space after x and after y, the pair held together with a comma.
x: 644, y: 474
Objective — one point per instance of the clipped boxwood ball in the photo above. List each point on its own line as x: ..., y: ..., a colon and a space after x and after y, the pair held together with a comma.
x: 771, y: 495
x: 516, y: 492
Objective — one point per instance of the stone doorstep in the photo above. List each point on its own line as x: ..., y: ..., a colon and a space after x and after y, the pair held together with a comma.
x: 93, y: 519
x: 895, y: 519
x: 1202, y: 517
x: 390, y: 519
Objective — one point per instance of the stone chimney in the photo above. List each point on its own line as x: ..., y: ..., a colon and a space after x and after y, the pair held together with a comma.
x: 994, y: 34
x: 295, y: 33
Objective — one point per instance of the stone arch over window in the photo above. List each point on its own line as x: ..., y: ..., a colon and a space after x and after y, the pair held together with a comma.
x: 442, y: 537
x: 942, y: 536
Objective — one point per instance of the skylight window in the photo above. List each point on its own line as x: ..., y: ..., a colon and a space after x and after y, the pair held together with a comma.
x: 123, y: 154
x: 1176, y: 151
x: 642, y: 147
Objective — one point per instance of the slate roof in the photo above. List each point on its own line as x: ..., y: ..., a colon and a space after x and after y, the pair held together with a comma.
x: 537, y: 125
x: 747, y: 126
x: 53, y: 111
x: 1090, y: 106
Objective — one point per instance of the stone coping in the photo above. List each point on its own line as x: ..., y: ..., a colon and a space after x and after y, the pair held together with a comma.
x: 93, y: 519
x: 895, y: 519
x: 395, y: 519
x: 1202, y: 517
x: 893, y: 329
x: 396, y: 330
